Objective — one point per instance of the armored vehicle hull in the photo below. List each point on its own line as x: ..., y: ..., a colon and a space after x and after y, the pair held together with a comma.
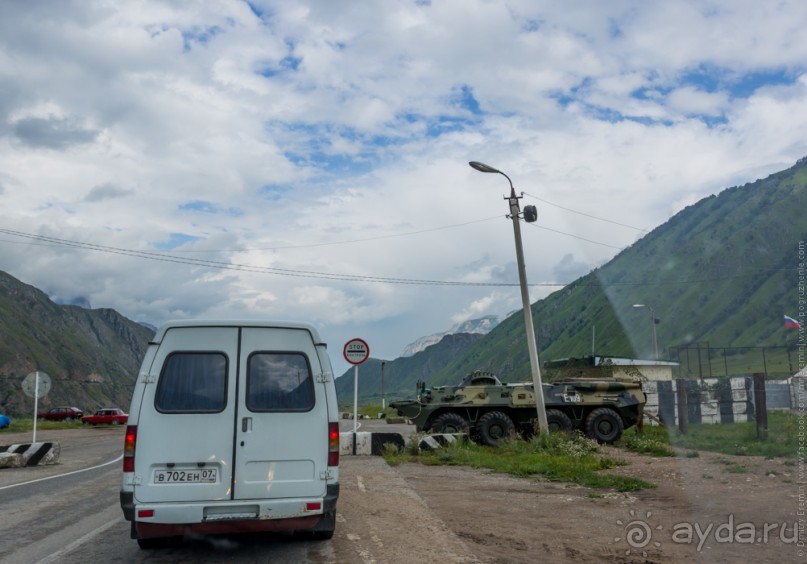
x: 490, y: 411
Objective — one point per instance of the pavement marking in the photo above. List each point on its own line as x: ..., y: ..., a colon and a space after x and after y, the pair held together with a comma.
x: 62, y: 475
x: 78, y: 542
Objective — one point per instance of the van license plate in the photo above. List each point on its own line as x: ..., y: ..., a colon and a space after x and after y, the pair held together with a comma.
x: 201, y: 476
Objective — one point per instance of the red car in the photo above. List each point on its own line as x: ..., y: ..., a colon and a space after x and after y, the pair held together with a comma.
x: 110, y: 416
x: 61, y: 414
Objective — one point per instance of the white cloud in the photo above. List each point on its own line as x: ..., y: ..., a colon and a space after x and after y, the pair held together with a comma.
x: 313, y: 138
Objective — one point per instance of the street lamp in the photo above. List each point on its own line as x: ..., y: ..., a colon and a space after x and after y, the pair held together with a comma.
x: 383, y: 401
x: 654, y: 321
x: 530, y: 215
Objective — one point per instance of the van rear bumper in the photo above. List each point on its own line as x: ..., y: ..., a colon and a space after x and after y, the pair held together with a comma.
x: 178, y: 518
x: 144, y: 530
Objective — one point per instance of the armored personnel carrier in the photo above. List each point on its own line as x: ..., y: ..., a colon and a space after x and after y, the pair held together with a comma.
x: 489, y: 411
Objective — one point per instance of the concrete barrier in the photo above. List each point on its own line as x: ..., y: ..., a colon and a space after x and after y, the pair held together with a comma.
x: 11, y: 460
x: 367, y: 443
x: 30, y: 454
x: 433, y: 442
x: 709, y: 400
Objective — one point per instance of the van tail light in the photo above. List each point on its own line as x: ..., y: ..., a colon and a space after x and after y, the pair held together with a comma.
x: 129, y: 448
x: 333, y: 444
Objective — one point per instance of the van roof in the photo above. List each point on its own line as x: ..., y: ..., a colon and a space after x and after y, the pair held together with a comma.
x: 158, y: 337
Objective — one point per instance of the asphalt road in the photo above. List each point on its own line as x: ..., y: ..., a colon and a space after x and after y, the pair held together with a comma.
x: 69, y: 512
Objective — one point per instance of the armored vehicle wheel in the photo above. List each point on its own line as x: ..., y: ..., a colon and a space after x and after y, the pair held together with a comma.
x: 494, y: 427
x: 604, y: 425
x: 450, y: 423
x: 558, y: 421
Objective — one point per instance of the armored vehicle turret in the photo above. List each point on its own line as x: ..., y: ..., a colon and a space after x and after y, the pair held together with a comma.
x: 489, y: 410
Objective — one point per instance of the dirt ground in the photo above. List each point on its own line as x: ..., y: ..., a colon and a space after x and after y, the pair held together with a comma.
x: 709, y: 508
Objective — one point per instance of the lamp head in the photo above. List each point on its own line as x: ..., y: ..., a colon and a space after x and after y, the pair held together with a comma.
x: 482, y: 167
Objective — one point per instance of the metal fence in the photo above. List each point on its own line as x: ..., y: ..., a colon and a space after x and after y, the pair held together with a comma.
x: 700, y: 360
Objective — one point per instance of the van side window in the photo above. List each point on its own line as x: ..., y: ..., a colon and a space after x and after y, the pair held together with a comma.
x: 192, y: 382
x: 279, y: 382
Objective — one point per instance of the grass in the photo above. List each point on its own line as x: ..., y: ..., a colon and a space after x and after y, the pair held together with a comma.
x: 575, y: 459
x: 557, y: 457
x: 21, y: 425
x: 649, y: 441
x: 738, y: 439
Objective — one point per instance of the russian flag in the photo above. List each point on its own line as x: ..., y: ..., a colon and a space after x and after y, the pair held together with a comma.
x: 792, y: 323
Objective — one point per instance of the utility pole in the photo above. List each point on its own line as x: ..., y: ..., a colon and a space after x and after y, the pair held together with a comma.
x: 530, y: 215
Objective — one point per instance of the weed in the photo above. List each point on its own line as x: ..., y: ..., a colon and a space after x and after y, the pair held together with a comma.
x: 652, y: 442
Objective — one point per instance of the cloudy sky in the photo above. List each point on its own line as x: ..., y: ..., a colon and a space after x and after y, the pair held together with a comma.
x: 309, y: 159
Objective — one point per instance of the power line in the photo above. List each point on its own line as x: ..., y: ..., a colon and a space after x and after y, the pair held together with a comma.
x: 257, y: 269
x: 585, y: 214
x: 326, y: 275
x: 575, y: 236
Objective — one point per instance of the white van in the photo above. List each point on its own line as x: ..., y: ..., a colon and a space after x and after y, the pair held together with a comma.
x: 233, y: 427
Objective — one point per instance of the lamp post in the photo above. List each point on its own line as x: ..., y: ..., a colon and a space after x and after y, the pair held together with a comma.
x: 653, y: 320
x: 530, y: 215
x: 383, y: 402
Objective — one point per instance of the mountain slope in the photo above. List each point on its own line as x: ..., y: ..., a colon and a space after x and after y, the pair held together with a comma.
x: 722, y: 271
x: 92, y: 356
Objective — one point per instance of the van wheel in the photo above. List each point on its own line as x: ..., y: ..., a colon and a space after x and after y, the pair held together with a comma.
x: 604, y: 425
x: 556, y: 420
x: 494, y: 427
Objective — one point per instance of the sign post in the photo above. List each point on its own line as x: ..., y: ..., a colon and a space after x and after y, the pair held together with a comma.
x: 36, y: 385
x: 356, y: 351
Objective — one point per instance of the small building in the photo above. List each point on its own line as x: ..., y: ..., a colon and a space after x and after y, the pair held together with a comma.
x: 609, y: 366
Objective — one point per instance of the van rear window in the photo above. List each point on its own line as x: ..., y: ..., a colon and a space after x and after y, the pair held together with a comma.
x: 279, y: 382
x: 192, y: 382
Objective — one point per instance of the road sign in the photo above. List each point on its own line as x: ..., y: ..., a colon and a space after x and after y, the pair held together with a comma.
x: 36, y: 389
x: 356, y: 351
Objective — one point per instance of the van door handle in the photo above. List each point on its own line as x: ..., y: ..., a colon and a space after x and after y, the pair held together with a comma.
x: 246, y: 424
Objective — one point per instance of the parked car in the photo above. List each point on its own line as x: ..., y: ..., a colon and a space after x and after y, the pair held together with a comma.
x: 5, y: 421
x: 109, y: 416
x: 62, y: 414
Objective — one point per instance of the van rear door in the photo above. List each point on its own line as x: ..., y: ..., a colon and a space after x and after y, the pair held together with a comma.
x: 185, y: 424
x: 282, y: 427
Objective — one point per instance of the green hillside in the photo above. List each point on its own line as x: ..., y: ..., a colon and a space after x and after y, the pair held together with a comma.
x: 91, y: 355
x: 722, y: 271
